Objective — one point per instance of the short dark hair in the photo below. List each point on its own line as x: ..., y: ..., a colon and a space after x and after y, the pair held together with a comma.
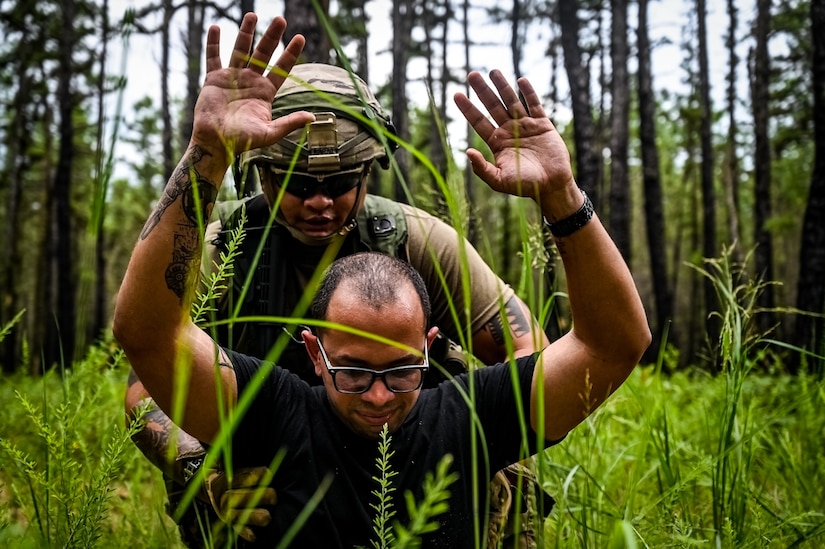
x: 374, y: 277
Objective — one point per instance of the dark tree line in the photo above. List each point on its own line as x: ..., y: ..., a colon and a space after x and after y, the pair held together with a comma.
x: 675, y: 176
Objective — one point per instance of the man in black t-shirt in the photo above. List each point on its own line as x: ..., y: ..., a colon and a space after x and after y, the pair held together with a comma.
x: 332, y: 430
x: 371, y: 331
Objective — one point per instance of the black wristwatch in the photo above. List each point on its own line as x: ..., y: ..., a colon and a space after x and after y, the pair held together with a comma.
x: 571, y: 224
x: 191, y: 466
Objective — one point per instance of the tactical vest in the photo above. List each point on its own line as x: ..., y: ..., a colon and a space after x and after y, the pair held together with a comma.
x: 274, y: 288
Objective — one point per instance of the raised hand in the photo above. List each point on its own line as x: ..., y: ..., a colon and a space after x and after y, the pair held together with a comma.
x: 234, y: 107
x: 531, y: 158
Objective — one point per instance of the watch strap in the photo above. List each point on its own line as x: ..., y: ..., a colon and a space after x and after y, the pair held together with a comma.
x: 572, y: 223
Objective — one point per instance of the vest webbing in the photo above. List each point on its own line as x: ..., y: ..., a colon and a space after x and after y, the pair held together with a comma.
x: 381, y: 227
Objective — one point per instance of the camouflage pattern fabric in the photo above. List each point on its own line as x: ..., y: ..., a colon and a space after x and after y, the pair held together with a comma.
x: 514, y: 507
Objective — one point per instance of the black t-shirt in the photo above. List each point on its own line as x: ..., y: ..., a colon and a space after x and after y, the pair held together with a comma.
x: 293, y: 425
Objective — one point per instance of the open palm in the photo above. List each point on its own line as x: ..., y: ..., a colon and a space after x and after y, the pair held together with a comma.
x: 530, y: 157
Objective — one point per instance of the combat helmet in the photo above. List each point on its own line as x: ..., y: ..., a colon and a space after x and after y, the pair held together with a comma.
x: 349, y: 129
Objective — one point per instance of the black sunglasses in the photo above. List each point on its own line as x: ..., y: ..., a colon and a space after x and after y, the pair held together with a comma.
x: 305, y: 185
x: 352, y: 380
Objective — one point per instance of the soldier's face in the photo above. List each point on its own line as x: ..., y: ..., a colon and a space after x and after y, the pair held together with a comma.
x: 318, y: 208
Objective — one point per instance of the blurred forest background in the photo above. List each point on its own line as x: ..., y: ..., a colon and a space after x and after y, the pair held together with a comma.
x: 697, y: 128
x: 677, y: 176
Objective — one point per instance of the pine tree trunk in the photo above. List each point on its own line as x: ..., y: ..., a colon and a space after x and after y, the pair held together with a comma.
x: 731, y: 171
x: 762, y: 160
x: 303, y: 19
x: 18, y: 140
x: 194, y: 59
x: 619, y: 130
x: 516, y: 44
x: 811, y: 290
x: 433, y: 23
x: 165, y: 98
x: 588, y: 163
x: 100, y: 299
x: 708, y: 196
x: 60, y: 335
x: 651, y: 179
x: 362, y: 57
x: 469, y: 177
x: 402, y: 20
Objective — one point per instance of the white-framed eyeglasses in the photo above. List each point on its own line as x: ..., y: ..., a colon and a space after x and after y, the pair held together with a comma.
x: 352, y: 380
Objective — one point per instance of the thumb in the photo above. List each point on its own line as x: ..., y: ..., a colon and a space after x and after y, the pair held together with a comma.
x: 487, y: 171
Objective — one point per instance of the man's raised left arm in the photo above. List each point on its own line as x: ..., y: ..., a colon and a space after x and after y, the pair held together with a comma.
x: 581, y: 369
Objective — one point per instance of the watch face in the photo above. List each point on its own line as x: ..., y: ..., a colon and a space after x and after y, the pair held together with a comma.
x: 190, y: 469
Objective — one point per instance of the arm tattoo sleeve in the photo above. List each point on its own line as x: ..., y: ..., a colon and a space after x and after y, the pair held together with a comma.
x: 181, y: 185
x: 517, y: 321
x: 184, y: 255
x: 156, y: 437
x: 185, y: 181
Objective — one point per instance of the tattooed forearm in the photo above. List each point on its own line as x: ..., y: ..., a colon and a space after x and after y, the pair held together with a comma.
x: 156, y: 437
x: 185, y: 258
x: 518, y: 323
x: 182, y: 184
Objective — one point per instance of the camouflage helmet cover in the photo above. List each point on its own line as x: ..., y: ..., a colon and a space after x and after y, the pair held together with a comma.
x: 358, y: 121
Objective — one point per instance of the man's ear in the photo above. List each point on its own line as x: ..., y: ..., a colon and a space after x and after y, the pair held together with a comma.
x: 311, y: 344
x: 431, y: 335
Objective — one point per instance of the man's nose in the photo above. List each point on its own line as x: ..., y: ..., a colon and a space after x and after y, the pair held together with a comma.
x: 378, y: 394
x: 319, y: 201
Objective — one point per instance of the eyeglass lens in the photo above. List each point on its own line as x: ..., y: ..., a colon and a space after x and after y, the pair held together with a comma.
x: 354, y: 380
x: 403, y: 380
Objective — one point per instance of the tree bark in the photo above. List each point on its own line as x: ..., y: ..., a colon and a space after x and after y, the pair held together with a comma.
x: 516, y: 42
x: 763, y: 256
x: 99, y: 305
x: 194, y: 54
x: 588, y: 161
x: 811, y: 289
x: 402, y: 21
x: 356, y: 9
x: 40, y: 320
x: 59, y: 346
x: 18, y: 142
x: 651, y: 180
x: 435, y: 21
x: 469, y: 176
x: 708, y: 195
x: 619, y: 130
x: 731, y: 172
x: 304, y: 19
x: 165, y: 102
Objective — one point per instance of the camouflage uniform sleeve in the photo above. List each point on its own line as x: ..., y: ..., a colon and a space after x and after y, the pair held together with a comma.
x: 432, y: 245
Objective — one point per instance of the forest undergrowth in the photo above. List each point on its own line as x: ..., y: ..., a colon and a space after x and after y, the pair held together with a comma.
x: 728, y: 456
x: 643, y: 471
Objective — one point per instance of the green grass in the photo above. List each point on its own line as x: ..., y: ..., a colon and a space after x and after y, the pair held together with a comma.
x: 638, y: 473
x: 70, y: 475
